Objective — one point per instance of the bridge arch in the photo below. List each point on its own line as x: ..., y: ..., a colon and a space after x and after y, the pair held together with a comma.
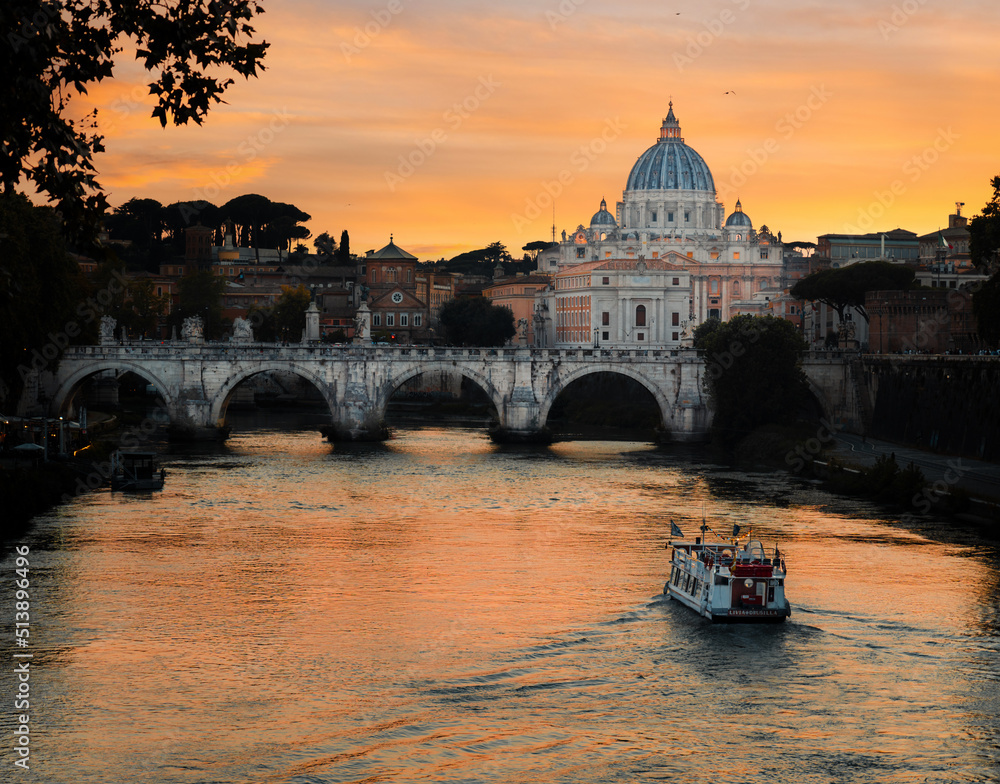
x: 220, y: 400
x: 393, y: 383
x: 72, y: 384
x: 563, y: 382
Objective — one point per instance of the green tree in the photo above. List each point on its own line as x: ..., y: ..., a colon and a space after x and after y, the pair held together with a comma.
x: 289, y: 312
x: 533, y: 248
x: 138, y: 220
x: 475, y: 321
x: 41, y: 307
x: 325, y: 245
x: 145, y: 308
x: 261, y: 223
x: 344, y: 251
x: 56, y: 49
x: 845, y: 287
x: 986, y: 307
x: 200, y: 294
x: 753, y: 375
x: 182, y: 214
x: 705, y: 330
x: 984, y: 232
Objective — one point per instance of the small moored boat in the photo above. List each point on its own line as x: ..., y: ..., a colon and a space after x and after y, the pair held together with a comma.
x: 727, y: 581
x: 136, y: 471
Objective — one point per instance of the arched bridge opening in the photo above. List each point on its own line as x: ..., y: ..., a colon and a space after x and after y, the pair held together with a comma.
x: 608, y: 404
x: 252, y: 398
x: 114, y: 391
x: 440, y: 394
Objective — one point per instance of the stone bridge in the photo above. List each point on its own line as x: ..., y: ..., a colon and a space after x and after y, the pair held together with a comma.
x: 197, y: 381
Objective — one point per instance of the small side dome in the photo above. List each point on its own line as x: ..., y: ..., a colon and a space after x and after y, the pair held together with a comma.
x: 602, y: 218
x: 739, y: 219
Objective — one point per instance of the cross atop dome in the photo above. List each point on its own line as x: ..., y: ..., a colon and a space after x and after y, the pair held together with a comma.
x: 670, y: 131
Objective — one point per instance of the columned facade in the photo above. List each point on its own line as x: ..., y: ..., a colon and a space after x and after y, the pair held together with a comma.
x: 669, y: 215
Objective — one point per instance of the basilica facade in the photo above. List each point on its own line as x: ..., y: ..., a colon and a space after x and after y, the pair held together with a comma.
x: 666, y: 260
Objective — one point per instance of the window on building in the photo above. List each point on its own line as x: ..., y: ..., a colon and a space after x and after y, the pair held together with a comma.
x: 374, y: 276
x: 676, y: 282
x: 581, y: 252
x: 654, y: 216
x: 605, y: 318
x: 736, y: 255
x: 390, y: 319
x: 376, y: 319
x: 404, y: 319
x: 674, y: 336
x: 714, y: 254
x: 763, y: 253
x: 604, y: 336
x: 418, y: 319
x: 640, y: 336
x: 713, y: 287
x: 670, y: 217
x: 736, y: 288
x: 675, y: 319
x: 640, y: 315
x: 605, y: 281
x: 687, y: 217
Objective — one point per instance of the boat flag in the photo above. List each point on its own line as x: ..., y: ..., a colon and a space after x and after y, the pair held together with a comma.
x: 675, y: 529
x: 736, y: 530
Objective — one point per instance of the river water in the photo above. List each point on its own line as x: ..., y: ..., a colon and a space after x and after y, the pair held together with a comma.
x: 441, y: 609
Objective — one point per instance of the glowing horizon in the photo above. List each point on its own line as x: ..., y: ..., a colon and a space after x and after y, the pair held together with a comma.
x: 454, y: 127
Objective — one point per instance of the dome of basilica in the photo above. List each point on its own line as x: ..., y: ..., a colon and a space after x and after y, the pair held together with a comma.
x: 670, y: 164
x: 603, y: 218
x: 739, y: 219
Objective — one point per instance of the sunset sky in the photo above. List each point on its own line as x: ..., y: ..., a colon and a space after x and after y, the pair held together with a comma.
x: 448, y: 124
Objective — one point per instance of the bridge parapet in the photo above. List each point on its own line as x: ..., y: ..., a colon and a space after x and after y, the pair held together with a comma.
x: 197, y: 380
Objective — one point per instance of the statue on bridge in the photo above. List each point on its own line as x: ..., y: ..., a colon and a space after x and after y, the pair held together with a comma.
x: 361, y: 322
x: 108, y: 324
x: 193, y: 329
x: 242, y: 330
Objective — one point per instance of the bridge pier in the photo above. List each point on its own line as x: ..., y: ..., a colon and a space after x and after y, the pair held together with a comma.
x: 196, y: 381
x: 191, y: 420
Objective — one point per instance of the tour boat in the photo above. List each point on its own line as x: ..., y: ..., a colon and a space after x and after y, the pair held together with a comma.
x: 727, y: 581
x: 136, y: 471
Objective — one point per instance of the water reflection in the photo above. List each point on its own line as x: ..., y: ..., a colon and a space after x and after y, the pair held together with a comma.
x: 439, y: 608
